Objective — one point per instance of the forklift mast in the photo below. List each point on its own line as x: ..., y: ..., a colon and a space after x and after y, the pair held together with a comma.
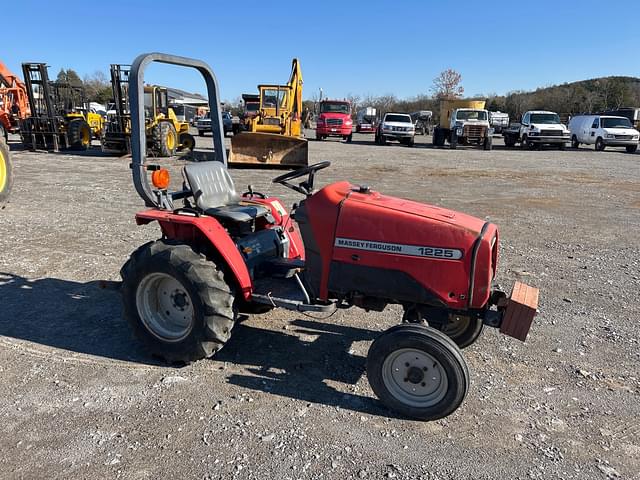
x: 120, y: 89
x: 39, y: 91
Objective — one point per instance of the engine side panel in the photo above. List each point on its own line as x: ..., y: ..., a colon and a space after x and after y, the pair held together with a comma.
x: 433, y: 246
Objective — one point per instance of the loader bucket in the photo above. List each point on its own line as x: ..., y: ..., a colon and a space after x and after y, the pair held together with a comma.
x: 268, y: 149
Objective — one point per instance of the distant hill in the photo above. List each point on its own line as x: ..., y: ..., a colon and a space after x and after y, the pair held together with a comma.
x: 585, y: 96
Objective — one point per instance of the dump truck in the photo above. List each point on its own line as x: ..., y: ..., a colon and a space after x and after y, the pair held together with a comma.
x: 274, y: 137
x: 463, y: 122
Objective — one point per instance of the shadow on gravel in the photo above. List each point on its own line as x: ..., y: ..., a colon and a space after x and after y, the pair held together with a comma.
x: 79, y: 317
x: 282, y: 363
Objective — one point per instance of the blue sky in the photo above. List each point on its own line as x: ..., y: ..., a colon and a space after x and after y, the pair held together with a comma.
x: 370, y: 47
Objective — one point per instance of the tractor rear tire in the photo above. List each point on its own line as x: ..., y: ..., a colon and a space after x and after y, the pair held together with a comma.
x: 418, y: 372
x: 187, y: 142
x: 6, y: 177
x: 79, y: 135
x: 177, y: 302
x: 165, y: 139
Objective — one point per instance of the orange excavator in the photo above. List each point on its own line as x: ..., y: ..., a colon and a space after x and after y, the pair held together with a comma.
x: 14, y: 103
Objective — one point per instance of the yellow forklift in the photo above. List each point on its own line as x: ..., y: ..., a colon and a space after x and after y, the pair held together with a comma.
x: 274, y: 136
x: 60, y: 116
x: 166, y: 135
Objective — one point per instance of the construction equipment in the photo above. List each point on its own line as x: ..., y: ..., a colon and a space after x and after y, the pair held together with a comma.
x: 274, y: 136
x: 463, y: 122
x: 14, y: 104
x: 60, y: 117
x: 6, y: 178
x: 165, y: 133
x: 344, y: 245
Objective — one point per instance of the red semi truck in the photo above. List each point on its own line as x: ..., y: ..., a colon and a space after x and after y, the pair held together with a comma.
x: 334, y: 120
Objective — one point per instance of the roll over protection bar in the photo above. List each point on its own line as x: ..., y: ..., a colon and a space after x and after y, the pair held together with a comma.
x: 138, y: 131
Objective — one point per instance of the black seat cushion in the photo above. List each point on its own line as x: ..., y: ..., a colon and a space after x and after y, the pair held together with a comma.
x: 238, y: 213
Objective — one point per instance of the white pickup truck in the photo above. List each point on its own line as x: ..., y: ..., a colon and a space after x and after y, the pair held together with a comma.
x: 537, y: 128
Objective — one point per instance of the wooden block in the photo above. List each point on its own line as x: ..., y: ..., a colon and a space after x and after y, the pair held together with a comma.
x: 521, y: 309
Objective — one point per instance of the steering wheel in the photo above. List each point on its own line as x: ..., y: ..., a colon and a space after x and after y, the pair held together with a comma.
x: 306, y: 187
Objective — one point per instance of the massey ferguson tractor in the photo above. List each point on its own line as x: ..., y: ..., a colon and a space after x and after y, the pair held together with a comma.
x: 342, y: 246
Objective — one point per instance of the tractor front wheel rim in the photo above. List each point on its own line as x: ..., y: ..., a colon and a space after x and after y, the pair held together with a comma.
x: 414, y: 377
x: 165, y: 307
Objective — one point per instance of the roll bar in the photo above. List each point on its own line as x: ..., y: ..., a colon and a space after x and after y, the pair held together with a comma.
x: 138, y: 134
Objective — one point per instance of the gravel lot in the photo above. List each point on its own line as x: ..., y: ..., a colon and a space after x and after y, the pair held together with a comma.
x: 288, y: 396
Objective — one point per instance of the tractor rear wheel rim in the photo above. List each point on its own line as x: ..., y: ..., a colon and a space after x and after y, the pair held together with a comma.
x: 165, y: 307
x: 414, y: 377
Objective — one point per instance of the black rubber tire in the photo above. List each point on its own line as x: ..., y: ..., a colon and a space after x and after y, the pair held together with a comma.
x: 562, y: 146
x: 349, y: 138
x: 467, y: 336
x: 201, y: 133
x: 187, y: 142
x: 631, y: 148
x: 453, y: 140
x: 435, y: 138
x: 488, y: 143
x: 212, y: 297
x: 3, y: 133
x: 411, y: 142
x: 600, y: 146
x: 161, y: 135
x: 79, y: 135
x: 432, y: 342
x: 574, y: 142
x: 524, y: 144
x: 383, y: 140
x: 5, y: 165
x: 509, y: 141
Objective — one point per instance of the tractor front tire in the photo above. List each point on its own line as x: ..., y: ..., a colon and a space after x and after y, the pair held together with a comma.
x: 187, y: 142
x: 6, y: 178
x: 177, y: 302
x: 79, y: 135
x: 165, y: 139
x: 418, y: 372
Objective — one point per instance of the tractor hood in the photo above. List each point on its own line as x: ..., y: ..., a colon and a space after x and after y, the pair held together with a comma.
x: 451, y: 254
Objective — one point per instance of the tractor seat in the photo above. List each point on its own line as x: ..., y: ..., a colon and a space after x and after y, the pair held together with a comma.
x: 215, y: 194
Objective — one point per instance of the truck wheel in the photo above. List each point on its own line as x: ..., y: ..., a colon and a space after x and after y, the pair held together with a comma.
x: 6, y: 177
x: 411, y: 142
x: 562, y: 146
x: 177, y: 301
x: 488, y: 143
x: 435, y: 139
x: 632, y: 148
x: 524, y: 144
x: 3, y: 134
x: 453, y: 140
x: 417, y: 372
x: 349, y: 138
x: 600, y: 144
x: 383, y: 140
x: 79, y: 134
x: 201, y: 133
x: 574, y: 142
x: 509, y: 141
x: 165, y: 139
x: 187, y: 142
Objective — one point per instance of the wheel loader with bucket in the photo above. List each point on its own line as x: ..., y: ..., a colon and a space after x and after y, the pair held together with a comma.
x: 60, y: 117
x: 166, y: 135
x: 342, y: 246
x: 274, y: 136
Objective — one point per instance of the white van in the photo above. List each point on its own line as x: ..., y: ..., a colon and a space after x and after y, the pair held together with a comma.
x: 603, y: 131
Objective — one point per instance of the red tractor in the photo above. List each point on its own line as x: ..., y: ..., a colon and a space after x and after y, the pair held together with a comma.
x: 342, y: 246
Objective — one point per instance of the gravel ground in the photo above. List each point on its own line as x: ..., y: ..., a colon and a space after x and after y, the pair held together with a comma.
x: 288, y: 398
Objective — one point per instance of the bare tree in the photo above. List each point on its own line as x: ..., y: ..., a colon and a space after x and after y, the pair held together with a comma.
x: 447, y: 84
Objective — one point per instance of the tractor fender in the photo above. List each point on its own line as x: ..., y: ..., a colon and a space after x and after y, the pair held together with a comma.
x: 196, y: 230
